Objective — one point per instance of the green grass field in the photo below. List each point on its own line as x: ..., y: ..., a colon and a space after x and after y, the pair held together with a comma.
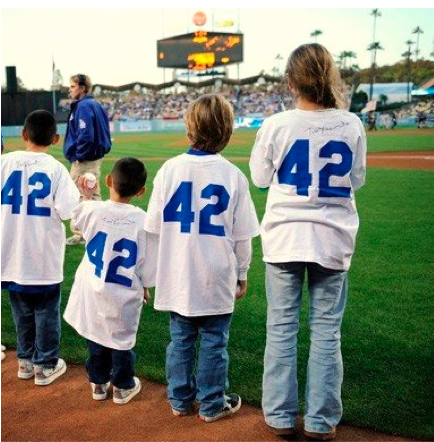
x: 387, y: 336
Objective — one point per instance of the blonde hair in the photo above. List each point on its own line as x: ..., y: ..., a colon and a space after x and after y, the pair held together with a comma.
x: 210, y: 122
x: 312, y: 71
x: 83, y: 80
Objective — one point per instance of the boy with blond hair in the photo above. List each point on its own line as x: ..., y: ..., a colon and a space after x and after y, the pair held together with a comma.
x: 202, y: 211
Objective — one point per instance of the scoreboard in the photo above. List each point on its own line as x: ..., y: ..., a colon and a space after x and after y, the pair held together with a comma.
x: 200, y: 50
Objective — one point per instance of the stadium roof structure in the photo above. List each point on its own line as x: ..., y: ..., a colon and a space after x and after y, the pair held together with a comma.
x: 240, y: 82
x: 423, y: 92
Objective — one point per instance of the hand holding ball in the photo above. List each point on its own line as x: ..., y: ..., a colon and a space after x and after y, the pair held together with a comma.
x: 89, y: 180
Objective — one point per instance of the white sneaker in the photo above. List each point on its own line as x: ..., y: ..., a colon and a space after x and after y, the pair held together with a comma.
x: 122, y: 396
x: 45, y: 376
x: 232, y: 405
x: 100, y: 391
x: 25, y: 369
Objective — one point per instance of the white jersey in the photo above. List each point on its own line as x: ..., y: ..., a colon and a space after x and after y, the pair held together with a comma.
x: 201, y: 207
x: 107, y: 295
x: 312, y: 162
x: 37, y: 194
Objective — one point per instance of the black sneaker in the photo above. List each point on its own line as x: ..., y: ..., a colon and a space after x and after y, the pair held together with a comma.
x: 232, y: 405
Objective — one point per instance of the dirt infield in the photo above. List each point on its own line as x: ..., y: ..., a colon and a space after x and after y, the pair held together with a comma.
x: 423, y: 160
x: 65, y: 412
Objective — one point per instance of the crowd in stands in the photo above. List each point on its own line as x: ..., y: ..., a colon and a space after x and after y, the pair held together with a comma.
x: 248, y: 101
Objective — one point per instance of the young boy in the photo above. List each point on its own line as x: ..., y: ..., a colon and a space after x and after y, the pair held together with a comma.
x: 202, y: 210
x: 37, y: 194
x: 108, y: 292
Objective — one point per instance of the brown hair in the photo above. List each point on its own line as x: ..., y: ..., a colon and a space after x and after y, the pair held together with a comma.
x: 41, y: 127
x: 129, y: 176
x: 83, y: 80
x: 210, y: 122
x: 312, y: 71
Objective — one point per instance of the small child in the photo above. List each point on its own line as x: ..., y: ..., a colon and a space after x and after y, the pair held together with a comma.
x: 109, y: 289
x: 37, y: 195
x: 203, y: 212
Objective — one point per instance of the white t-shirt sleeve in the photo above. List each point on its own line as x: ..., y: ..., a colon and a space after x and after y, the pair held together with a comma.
x: 66, y: 194
x: 243, y: 253
x: 246, y: 224
x: 80, y: 213
x: 358, y: 171
x: 147, y: 268
x: 261, y: 164
x: 155, y: 206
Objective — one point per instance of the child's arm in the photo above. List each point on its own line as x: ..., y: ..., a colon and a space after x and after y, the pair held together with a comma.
x: 243, y: 253
x: 358, y: 171
x: 261, y: 158
x: 147, y: 266
x: 146, y: 295
x: 242, y: 289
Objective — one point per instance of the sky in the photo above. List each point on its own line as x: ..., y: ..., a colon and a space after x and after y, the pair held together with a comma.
x: 118, y: 46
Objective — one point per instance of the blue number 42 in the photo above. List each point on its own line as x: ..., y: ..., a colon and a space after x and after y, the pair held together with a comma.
x: 295, y: 168
x: 12, y: 193
x: 179, y: 208
x: 95, y: 252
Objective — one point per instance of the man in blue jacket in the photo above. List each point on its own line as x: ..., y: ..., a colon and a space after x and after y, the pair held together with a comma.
x: 87, y: 138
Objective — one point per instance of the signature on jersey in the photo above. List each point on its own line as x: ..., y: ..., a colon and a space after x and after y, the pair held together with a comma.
x: 26, y: 163
x: 118, y: 222
x: 322, y: 129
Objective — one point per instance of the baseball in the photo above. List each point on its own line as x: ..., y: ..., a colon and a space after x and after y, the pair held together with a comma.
x: 90, y: 180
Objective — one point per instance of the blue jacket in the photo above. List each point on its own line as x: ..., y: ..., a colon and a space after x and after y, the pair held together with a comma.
x: 88, y: 132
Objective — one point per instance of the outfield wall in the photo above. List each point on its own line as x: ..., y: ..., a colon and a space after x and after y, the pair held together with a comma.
x: 135, y: 126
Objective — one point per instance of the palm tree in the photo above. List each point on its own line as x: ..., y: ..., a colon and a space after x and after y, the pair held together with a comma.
x: 407, y: 54
x: 417, y: 30
x: 375, y: 13
x: 345, y: 58
x: 315, y: 34
x: 373, y: 47
x: 351, y: 55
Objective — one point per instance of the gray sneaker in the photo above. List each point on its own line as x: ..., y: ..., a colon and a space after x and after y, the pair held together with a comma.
x: 100, y: 391
x: 232, y: 405
x: 25, y: 369
x: 45, y: 376
x: 122, y: 396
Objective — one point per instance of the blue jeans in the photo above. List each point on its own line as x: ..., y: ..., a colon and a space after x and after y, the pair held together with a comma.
x: 328, y: 293
x: 37, y: 321
x: 208, y: 385
x: 106, y: 364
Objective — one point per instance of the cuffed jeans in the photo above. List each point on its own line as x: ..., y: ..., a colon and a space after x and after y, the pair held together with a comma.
x: 327, y: 292
x: 37, y: 321
x: 106, y: 364
x: 208, y: 386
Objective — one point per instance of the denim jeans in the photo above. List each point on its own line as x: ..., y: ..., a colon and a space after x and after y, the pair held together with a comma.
x: 327, y: 293
x: 106, y: 364
x: 209, y: 383
x: 37, y: 322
